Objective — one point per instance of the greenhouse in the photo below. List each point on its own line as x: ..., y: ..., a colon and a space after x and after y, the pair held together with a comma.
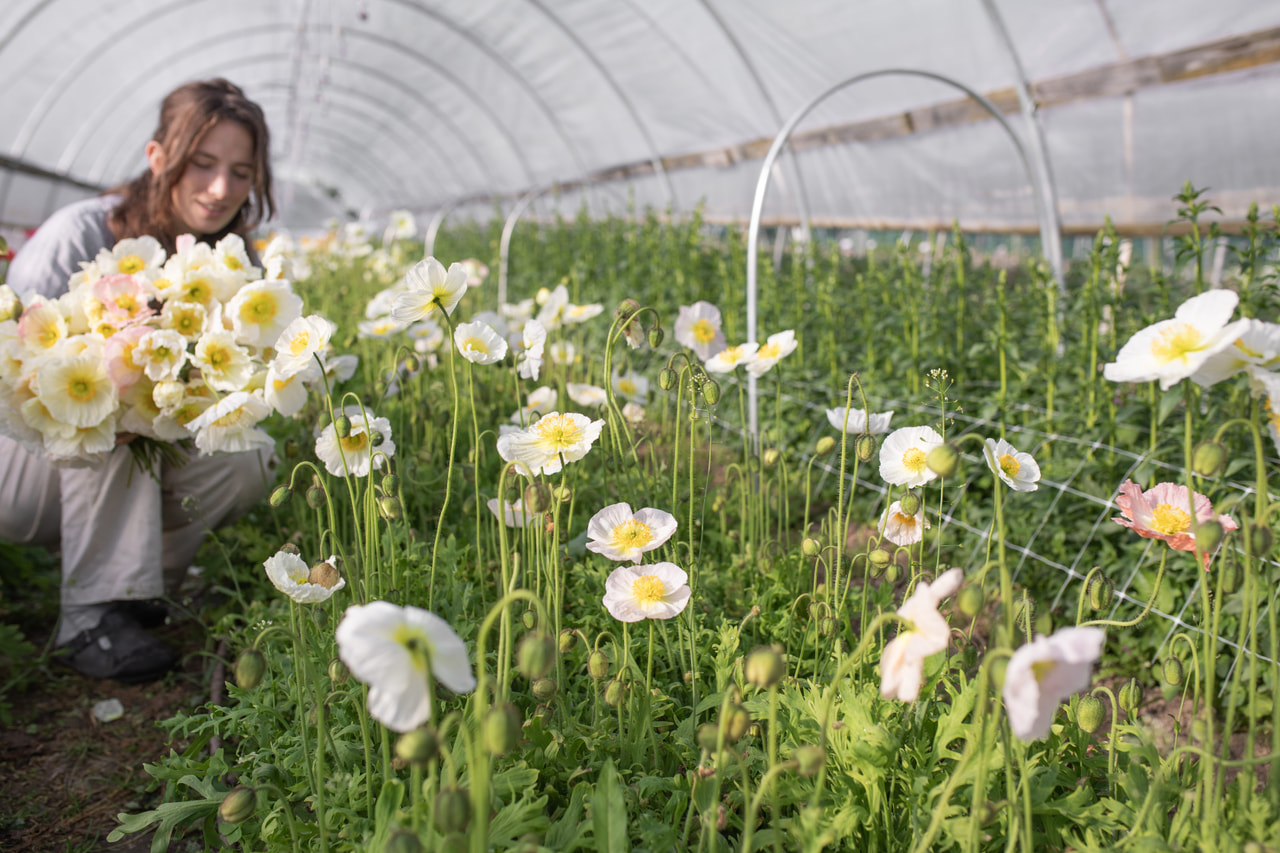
x: 539, y: 425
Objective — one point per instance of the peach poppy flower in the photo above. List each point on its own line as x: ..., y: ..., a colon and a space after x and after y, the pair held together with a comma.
x: 1162, y: 513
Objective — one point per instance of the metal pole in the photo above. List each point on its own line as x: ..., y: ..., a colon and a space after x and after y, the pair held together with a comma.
x: 504, y: 248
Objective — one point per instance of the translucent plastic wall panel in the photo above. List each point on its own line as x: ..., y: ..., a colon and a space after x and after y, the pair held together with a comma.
x: 1087, y: 147
x: 31, y: 199
x: 1155, y: 26
x: 1070, y: 36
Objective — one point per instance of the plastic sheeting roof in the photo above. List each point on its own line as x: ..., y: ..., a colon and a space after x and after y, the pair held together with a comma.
x: 380, y: 104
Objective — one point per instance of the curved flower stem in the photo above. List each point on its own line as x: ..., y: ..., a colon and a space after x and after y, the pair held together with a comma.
x: 448, y: 476
x: 476, y: 458
x: 1151, y: 600
x: 766, y: 784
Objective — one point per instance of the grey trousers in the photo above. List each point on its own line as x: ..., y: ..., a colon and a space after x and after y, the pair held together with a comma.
x: 122, y: 533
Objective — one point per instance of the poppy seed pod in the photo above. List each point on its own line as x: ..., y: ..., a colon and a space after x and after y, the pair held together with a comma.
x: 666, y: 379
x: 238, y: 805
x: 1130, y: 696
x: 910, y: 503
x: 342, y: 426
x: 765, y: 667
x: 598, y: 665
x: 1089, y: 714
x: 1101, y: 592
x: 249, y: 668
x: 864, y: 447
x: 655, y: 336
x: 943, y: 460
x: 1172, y: 671
x: 418, y: 747
x: 1208, y: 458
x: 535, y: 655
x: 281, y: 496
x: 711, y: 392
x: 825, y: 445
x: 453, y: 810
x: 315, y: 497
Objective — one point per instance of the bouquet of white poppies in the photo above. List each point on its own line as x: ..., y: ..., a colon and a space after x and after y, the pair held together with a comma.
x: 197, y: 345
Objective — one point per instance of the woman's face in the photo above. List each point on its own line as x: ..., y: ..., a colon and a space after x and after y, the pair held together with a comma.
x: 217, y: 180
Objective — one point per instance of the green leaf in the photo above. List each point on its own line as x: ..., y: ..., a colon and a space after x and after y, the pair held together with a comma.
x: 1168, y: 402
x: 169, y: 815
x: 567, y: 833
x: 609, y: 812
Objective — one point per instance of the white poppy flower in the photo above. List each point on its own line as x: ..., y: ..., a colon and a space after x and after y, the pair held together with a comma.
x: 189, y: 319
x: 552, y: 310
x: 289, y: 574
x: 900, y: 528
x: 585, y: 394
x: 478, y: 343
x: 76, y: 390
x: 620, y: 534
x: 633, y: 413
x: 513, y: 514
x: 230, y: 425
x: 903, y: 453
x: 631, y: 385
x: 161, y: 354
x: 300, y: 341
x: 698, y: 328
x: 1018, y: 470
x: 902, y: 663
x: 581, y: 313
x: 394, y: 650
x: 533, y: 340
x: 259, y: 312
x: 729, y: 358
x: 1257, y: 347
x: 1172, y: 350
x: 358, y: 449
x: 554, y: 439
x: 772, y: 351
x: 1044, y: 672
x: 224, y: 364
x: 635, y: 593
x: 539, y: 402
x: 429, y: 288
x: 856, y: 422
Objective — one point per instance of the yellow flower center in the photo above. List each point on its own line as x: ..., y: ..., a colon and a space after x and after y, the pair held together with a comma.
x: 131, y: 264
x: 198, y: 291
x: 626, y: 386
x: 218, y: 358
x: 80, y: 389
x: 230, y: 419
x: 476, y: 345
x: 48, y: 335
x: 127, y: 304
x: 769, y: 351
x: 1275, y: 415
x: 299, y: 344
x: 704, y: 332
x: 1176, y: 342
x: 1168, y: 519
x: 558, y: 431
x: 648, y: 590
x: 416, y: 643
x: 162, y: 284
x: 914, y: 460
x: 732, y: 355
x: 233, y: 263
x: 631, y: 534
x: 904, y: 520
x: 1009, y: 465
x: 355, y: 442
x: 259, y: 309
x: 1042, y: 668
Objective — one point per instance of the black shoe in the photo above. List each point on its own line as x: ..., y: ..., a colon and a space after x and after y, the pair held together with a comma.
x: 149, y: 613
x: 118, y: 648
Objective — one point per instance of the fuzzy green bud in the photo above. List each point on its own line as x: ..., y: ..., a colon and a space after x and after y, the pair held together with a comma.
x: 418, y: 747
x: 598, y: 665
x: 564, y: 494
x: 567, y: 640
x: 453, y: 810
x: 711, y: 392
x: 810, y: 547
x: 1102, y: 591
x: 238, y: 805
x: 819, y: 610
x: 998, y: 668
x: 342, y: 426
x: 390, y: 507
x: 879, y: 559
x: 667, y: 379
x: 502, y: 727
x: 613, y: 693
x: 1208, y: 458
x: 544, y: 689
x: 943, y: 460
x: 910, y: 503
x: 376, y: 438
x: 249, y: 668
x: 411, y: 363
x: 1130, y: 696
x: 708, y: 736
x: 315, y: 497
x: 529, y: 619
x: 810, y: 759
x: 864, y: 447
x: 1209, y: 535
x: 770, y: 457
x: 1089, y: 714
x: 971, y: 600
x: 1172, y: 671
x: 626, y: 308
x: 765, y: 667
x: 281, y: 496
x: 736, y: 722
x: 537, y: 498
x: 291, y: 449
x: 1260, y: 540
x: 535, y: 655
x: 655, y: 336
x: 338, y: 672
x: 892, y: 572
x: 1228, y: 577
x: 390, y: 484
x: 825, y: 445
x: 403, y: 841
x: 827, y: 626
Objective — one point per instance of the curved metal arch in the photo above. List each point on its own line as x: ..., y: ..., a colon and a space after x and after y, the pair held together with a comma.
x: 101, y: 167
x: 762, y: 187
x: 508, y: 228
x: 433, y: 227
x: 654, y: 156
x: 1050, y: 222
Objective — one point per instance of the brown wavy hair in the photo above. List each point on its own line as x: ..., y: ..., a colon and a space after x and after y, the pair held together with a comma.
x: 186, y: 115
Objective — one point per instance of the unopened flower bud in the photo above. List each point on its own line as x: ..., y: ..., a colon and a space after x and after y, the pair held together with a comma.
x: 998, y: 668
x: 529, y: 619
x: 390, y: 484
x: 819, y: 610
x: 667, y: 379
x: 290, y: 548
x: 325, y: 575
x: 1101, y: 592
x: 736, y: 722
x: 910, y: 503
x: 238, y: 805
x: 315, y: 497
x: 502, y: 727
x: 825, y: 445
x: 338, y: 672
x: 281, y: 496
x: 376, y: 438
x: 810, y: 759
x: 765, y: 667
x: 943, y: 460
x: 168, y: 394
x: 249, y: 668
x: 892, y: 572
x: 864, y: 447
x: 598, y: 665
x: 535, y: 655
x: 810, y: 547
x: 544, y: 689
x: 655, y: 336
x: 1208, y: 458
x: 567, y: 639
x: 453, y: 810
x: 971, y: 600
x: 626, y: 308
x: 1130, y: 696
x: 562, y: 493
x: 1172, y: 671
x: 342, y: 426
x: 1208, y: 535
x: 390, y: 507
x: 1260, y: 540
x: 291, y: 449
x: 403, y: 841
x: 879, y: 559
x: 827, y: 626
x: 613, y: 693
x: 770, y: 457
x: 708, y: 736
x: 411, y: 363
x: 1228, y: 577
x: 537, y: 498
x: 711, y: 392
x: 1089, y: 714
x: 418, y: 747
